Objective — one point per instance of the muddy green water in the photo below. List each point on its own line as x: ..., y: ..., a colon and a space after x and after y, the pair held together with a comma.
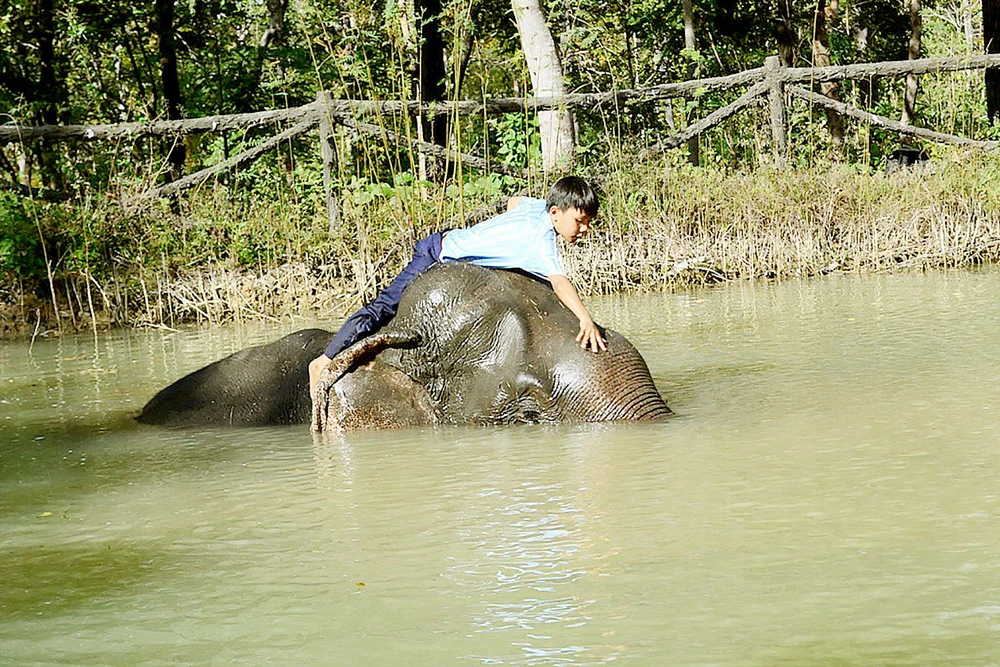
x: 829, y: 494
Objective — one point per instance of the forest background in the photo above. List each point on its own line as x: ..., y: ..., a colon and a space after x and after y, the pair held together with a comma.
x: 82, y: 246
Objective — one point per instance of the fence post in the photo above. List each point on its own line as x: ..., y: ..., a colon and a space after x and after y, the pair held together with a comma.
x: 776, y: 98
x: 329, y: 154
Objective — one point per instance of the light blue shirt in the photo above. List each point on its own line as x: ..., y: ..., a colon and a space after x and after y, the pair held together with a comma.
x: 520, y: 239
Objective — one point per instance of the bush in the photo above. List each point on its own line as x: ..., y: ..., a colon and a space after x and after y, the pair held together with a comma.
x: 21, y: 255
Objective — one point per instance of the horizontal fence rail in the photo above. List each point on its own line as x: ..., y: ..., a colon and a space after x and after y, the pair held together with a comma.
x: 772, y: 81
x: 361, y: 108
x: 156, y: 128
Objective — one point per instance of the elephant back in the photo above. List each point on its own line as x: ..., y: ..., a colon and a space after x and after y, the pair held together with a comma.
x: 256, y: 386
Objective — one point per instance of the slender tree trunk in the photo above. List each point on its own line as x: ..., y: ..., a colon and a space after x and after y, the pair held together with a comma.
x: 271, y: 37
x: 910, y: 97
x: 465, y: 29
x: 826, y: 14
x: 691, y: 45
x: 164, y: 25
x: 867, y: 87
x: 991, y: 38
x: 45, y: 28
x: 556, y: 126
x: 785, y: 33
x: 50, y: 92
x: 276, y: 23
x: 432, y: 83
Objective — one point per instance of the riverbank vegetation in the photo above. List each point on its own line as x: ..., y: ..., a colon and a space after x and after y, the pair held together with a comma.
x: 664, y: 224
x: 82, y: 246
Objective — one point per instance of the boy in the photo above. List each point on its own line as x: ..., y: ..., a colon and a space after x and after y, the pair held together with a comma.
x: 522, y: 238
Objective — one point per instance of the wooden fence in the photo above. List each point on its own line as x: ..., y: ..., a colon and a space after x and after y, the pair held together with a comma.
x: 772, y: 81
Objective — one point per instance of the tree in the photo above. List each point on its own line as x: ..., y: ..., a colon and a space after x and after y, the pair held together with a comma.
x: 691, y: 46
x: 991, y: 39
x: 826, y: 14
x: 164, y: 25
x: 275, y: 24
x: 785, y: 33
x: 50, y: 94
x: 431, y: 77
x: 557, y: 127
x: 913, y: 52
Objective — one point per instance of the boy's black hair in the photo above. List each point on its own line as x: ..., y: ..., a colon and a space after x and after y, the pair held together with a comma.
x: 573, y: 192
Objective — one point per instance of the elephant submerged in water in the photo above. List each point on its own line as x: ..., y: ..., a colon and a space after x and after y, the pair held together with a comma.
x: 468, y: 345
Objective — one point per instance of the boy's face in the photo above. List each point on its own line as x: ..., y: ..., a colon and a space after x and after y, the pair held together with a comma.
x: 572, y: 224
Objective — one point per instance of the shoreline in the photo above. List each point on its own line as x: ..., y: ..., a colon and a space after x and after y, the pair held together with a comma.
x: 662, y: 227
x: 220, y: 297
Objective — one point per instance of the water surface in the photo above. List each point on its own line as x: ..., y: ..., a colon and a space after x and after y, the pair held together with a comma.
x: 828, y: 494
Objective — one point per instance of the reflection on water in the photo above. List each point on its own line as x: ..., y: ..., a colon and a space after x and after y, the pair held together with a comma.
x: 827, y: 494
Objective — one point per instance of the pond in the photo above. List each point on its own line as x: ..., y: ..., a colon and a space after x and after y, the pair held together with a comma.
x: 828, y: 493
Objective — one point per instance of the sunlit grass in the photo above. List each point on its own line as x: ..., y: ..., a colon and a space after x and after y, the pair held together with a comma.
x: 268, y: 253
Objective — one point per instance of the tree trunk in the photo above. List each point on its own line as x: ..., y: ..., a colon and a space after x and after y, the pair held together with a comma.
x: 867, y: 87
x: 50, y: 92
x: 910, y: 97
x: 465, y: 44
x: 432, y: 84
x: 164, y: 25
x: 826, y: 14
x: 991, y: 38
x: 276, y: 23
x: 556, y: 126
x: 785, y: 34
x: 691, y: 45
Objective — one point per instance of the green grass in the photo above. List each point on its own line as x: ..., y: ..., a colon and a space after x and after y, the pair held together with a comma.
x: 266, y: 252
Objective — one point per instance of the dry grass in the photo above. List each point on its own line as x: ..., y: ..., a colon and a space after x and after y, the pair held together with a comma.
x: 662, y: 226
x: 698, y: 227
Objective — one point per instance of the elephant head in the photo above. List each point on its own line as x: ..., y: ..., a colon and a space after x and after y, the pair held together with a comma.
x: 467, y: 345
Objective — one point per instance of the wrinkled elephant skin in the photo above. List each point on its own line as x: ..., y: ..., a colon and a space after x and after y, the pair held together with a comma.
x: 257, y: 386
x: 467, y: 345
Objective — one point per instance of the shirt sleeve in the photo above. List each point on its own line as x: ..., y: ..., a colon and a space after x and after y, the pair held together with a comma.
x: 549, y: 262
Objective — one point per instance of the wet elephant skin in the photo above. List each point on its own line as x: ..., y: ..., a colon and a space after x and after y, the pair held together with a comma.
x: 491, y: 347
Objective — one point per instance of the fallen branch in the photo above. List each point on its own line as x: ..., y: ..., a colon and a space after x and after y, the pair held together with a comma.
x: 716, y: 116
x: 244, y: 158
x: 886, y: 123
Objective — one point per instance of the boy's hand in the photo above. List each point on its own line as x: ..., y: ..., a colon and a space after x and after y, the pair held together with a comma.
x: 590, y: 335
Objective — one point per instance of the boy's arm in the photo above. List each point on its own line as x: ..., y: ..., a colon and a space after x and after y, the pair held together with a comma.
x: 589, y: 333
x: 512, y: 203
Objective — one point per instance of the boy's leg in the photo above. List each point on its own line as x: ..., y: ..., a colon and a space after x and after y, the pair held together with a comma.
x: 373, y: 316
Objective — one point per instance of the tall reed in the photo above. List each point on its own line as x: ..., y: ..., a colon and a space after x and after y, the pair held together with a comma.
x: 268, y: 253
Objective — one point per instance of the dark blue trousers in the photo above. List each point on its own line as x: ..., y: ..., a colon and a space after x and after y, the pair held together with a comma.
x: 374, y: 315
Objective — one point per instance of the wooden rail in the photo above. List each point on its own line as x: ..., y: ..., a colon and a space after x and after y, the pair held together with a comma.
x: 772, y: 81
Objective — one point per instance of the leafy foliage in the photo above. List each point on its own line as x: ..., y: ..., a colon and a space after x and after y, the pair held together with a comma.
x: 20, y: 253
x: 105, y: 69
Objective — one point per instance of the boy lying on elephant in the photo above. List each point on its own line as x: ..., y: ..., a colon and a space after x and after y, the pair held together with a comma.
x: 522, y: 238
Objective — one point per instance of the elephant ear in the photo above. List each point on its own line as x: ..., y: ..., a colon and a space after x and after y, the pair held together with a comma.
x: 357, y: 354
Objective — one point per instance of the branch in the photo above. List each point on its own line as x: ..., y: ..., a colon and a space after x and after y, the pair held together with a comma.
x: 433, y: 149
x: 176, y: 128
x: 243, y: 158
x: 716, y: 116
x: 351, y: 108
x: 880, y: 121
x: 888, y: 68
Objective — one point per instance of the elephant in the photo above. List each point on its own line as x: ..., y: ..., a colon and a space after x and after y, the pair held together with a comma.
x: 468, y: 345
